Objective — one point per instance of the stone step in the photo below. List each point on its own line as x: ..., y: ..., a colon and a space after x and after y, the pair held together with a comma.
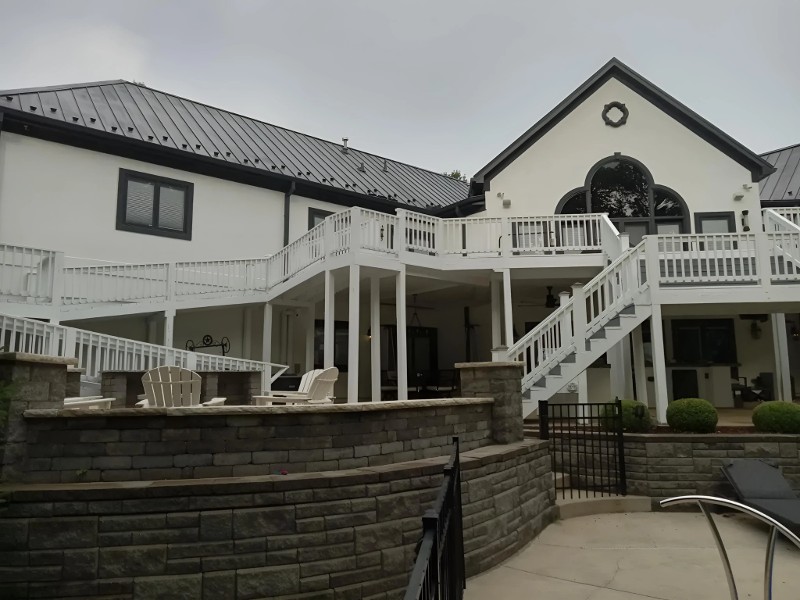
x: 581, y: 507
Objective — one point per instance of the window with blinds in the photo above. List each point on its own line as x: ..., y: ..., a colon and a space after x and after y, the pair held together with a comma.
x: 154, y: 205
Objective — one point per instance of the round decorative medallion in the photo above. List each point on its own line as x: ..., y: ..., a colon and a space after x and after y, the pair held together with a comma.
x: 615, y: 114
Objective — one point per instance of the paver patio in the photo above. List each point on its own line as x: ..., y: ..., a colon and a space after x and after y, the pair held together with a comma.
x: 665, y: 556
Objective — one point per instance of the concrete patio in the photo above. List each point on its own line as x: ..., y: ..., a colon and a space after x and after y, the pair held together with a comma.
x: 664, y: 556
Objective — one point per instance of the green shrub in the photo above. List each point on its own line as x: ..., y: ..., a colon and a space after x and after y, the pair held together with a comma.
x: 630, y: 421
x: 692, y: 415
x: 777, y: 417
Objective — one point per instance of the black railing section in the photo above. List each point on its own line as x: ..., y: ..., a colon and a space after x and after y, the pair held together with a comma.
x: 586, y: 447
x: 439, y: 572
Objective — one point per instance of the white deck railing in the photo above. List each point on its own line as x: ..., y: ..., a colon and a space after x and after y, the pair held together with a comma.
x: 32, y: 275
x: 98, y: 352
x: 790, y: 213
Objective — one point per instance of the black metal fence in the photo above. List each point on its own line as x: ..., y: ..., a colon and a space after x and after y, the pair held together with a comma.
x: 439, y: 572
x: 586, y: 447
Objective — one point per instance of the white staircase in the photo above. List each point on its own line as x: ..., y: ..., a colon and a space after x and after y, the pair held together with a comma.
x: 597, y: 316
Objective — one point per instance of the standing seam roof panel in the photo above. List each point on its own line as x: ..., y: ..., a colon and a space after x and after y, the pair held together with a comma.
x: 86, y: 107
x: 174, y: 134
x: 231, y: 146
x: 207, y: 145
x: 771, y: 182
x: 210, y: 133
x: 119, y: 111
x: 104, y: 111
x: 254, y: 150
x: 152, y: 118
x: 140, y: 124
x: 69, y: 107
x: 785, y: 175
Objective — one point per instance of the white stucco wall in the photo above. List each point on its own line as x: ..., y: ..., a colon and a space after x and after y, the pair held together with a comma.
x: 64, y: 198
x: 559, y: 161
x: 298, y: 214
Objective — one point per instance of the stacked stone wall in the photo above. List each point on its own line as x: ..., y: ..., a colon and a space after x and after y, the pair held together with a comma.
x: 190, y: 443
x: 336, y: 535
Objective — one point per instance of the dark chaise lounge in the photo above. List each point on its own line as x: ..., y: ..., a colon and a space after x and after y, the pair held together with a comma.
x: 764, y: 488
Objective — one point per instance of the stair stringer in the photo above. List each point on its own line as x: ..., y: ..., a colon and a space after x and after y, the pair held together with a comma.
x: 577, y: 362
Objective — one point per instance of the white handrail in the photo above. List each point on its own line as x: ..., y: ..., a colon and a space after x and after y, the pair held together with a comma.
x: 790, y: 213
x: 600, y: 300
x: 98, y: 352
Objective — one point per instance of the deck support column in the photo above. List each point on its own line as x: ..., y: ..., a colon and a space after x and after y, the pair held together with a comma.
x: 169, y: 327
x: 639, y: 366
x: 619, y: 357
x: 508, y: 308
x: 266, y: 347
x: 328, y: 325
x: 353, y: 333
x: 310, y: 331
x: 497, y: 314
x: 402, y: 345
x: 780, y: 341
x: 659, y: 364
x: 375, y: 336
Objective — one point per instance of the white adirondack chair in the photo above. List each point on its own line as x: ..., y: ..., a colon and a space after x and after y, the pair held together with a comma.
x: 88, y: 402
x: 320, y: 390
x: 173, y: 386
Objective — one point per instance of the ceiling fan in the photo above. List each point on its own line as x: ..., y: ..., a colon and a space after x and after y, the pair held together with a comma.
x: 550, y: 300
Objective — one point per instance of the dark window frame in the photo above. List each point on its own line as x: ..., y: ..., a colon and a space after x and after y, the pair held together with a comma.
x: 317, y: 212
x: 707, y: 333
x: 125, y: 175
x: 727, y: 214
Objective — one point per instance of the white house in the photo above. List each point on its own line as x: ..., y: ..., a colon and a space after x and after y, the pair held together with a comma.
x: 619, y: 247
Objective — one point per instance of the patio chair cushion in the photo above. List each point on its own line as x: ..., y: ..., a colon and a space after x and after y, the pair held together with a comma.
x: 755, y: 479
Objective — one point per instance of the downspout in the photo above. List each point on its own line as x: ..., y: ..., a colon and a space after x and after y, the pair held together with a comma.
x: 287, y: 197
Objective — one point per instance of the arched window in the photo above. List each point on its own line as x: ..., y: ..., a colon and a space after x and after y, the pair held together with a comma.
x: 624, y: 188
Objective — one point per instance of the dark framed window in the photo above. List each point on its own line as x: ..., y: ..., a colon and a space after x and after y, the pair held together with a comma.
x: 624, y: 188
x: 154, y: 205
x: 704, y: 341
x: 715, y: 222
x: 340, y: 344
x: 317, y: 216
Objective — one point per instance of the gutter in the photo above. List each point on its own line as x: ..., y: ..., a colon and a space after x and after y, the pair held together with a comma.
x: 287, y: 197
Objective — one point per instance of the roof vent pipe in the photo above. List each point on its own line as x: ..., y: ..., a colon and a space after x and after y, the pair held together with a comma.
x: 385, y: 166
x: 362, y: 168
x: 344, y: 145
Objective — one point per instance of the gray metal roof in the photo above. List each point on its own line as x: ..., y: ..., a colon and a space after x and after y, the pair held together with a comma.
x: 127, y: 110
x: 784, y: 183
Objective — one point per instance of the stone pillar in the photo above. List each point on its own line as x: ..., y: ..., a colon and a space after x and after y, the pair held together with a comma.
x: 503, y: 382
x: 29, y: 381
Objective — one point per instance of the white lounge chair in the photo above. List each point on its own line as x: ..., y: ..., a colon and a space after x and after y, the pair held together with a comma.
x: 173, y: 386
x: 320, y: 390
x: 88, y: 402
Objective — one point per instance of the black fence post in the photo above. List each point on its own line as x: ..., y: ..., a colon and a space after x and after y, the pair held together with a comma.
x: 544, y: 420
x: 623, y: 478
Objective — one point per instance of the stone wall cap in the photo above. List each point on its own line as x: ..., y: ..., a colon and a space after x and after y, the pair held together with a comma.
x: 217, y: 411
x: 473, y: 459
x: 489, y: 365
x: 36, y: 358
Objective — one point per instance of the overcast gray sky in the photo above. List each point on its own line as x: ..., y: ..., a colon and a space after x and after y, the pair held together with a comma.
x: 442, y: 84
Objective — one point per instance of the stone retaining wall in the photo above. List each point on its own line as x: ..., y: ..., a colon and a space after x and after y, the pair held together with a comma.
x: 663, y: 465
x: 336, y: 535
x: 190, y: 443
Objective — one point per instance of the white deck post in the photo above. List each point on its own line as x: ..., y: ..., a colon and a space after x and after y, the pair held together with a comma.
x: 639, y: 370
x: 764, y: 250
x: 310, y: 327
x: 579, y: 318
x: 375, y: 336
x: 508, y: 308
x: 57, y: 278
x: 266, y: 345
x: 353, y: 333
x: 620, y: 359
x: 169, y: 327
x: 659, y: 364
x: 583, y: 387
x: 783, y: 381
x: 402, y: 346
x: 328, y: 326
x: 497, y: 314
x: 247, y: 332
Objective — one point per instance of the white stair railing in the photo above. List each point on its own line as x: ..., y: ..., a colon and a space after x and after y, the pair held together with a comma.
x: 98, y: 352
x: 591, y: 307
x: 27, y: 273
x: 791, y: 213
